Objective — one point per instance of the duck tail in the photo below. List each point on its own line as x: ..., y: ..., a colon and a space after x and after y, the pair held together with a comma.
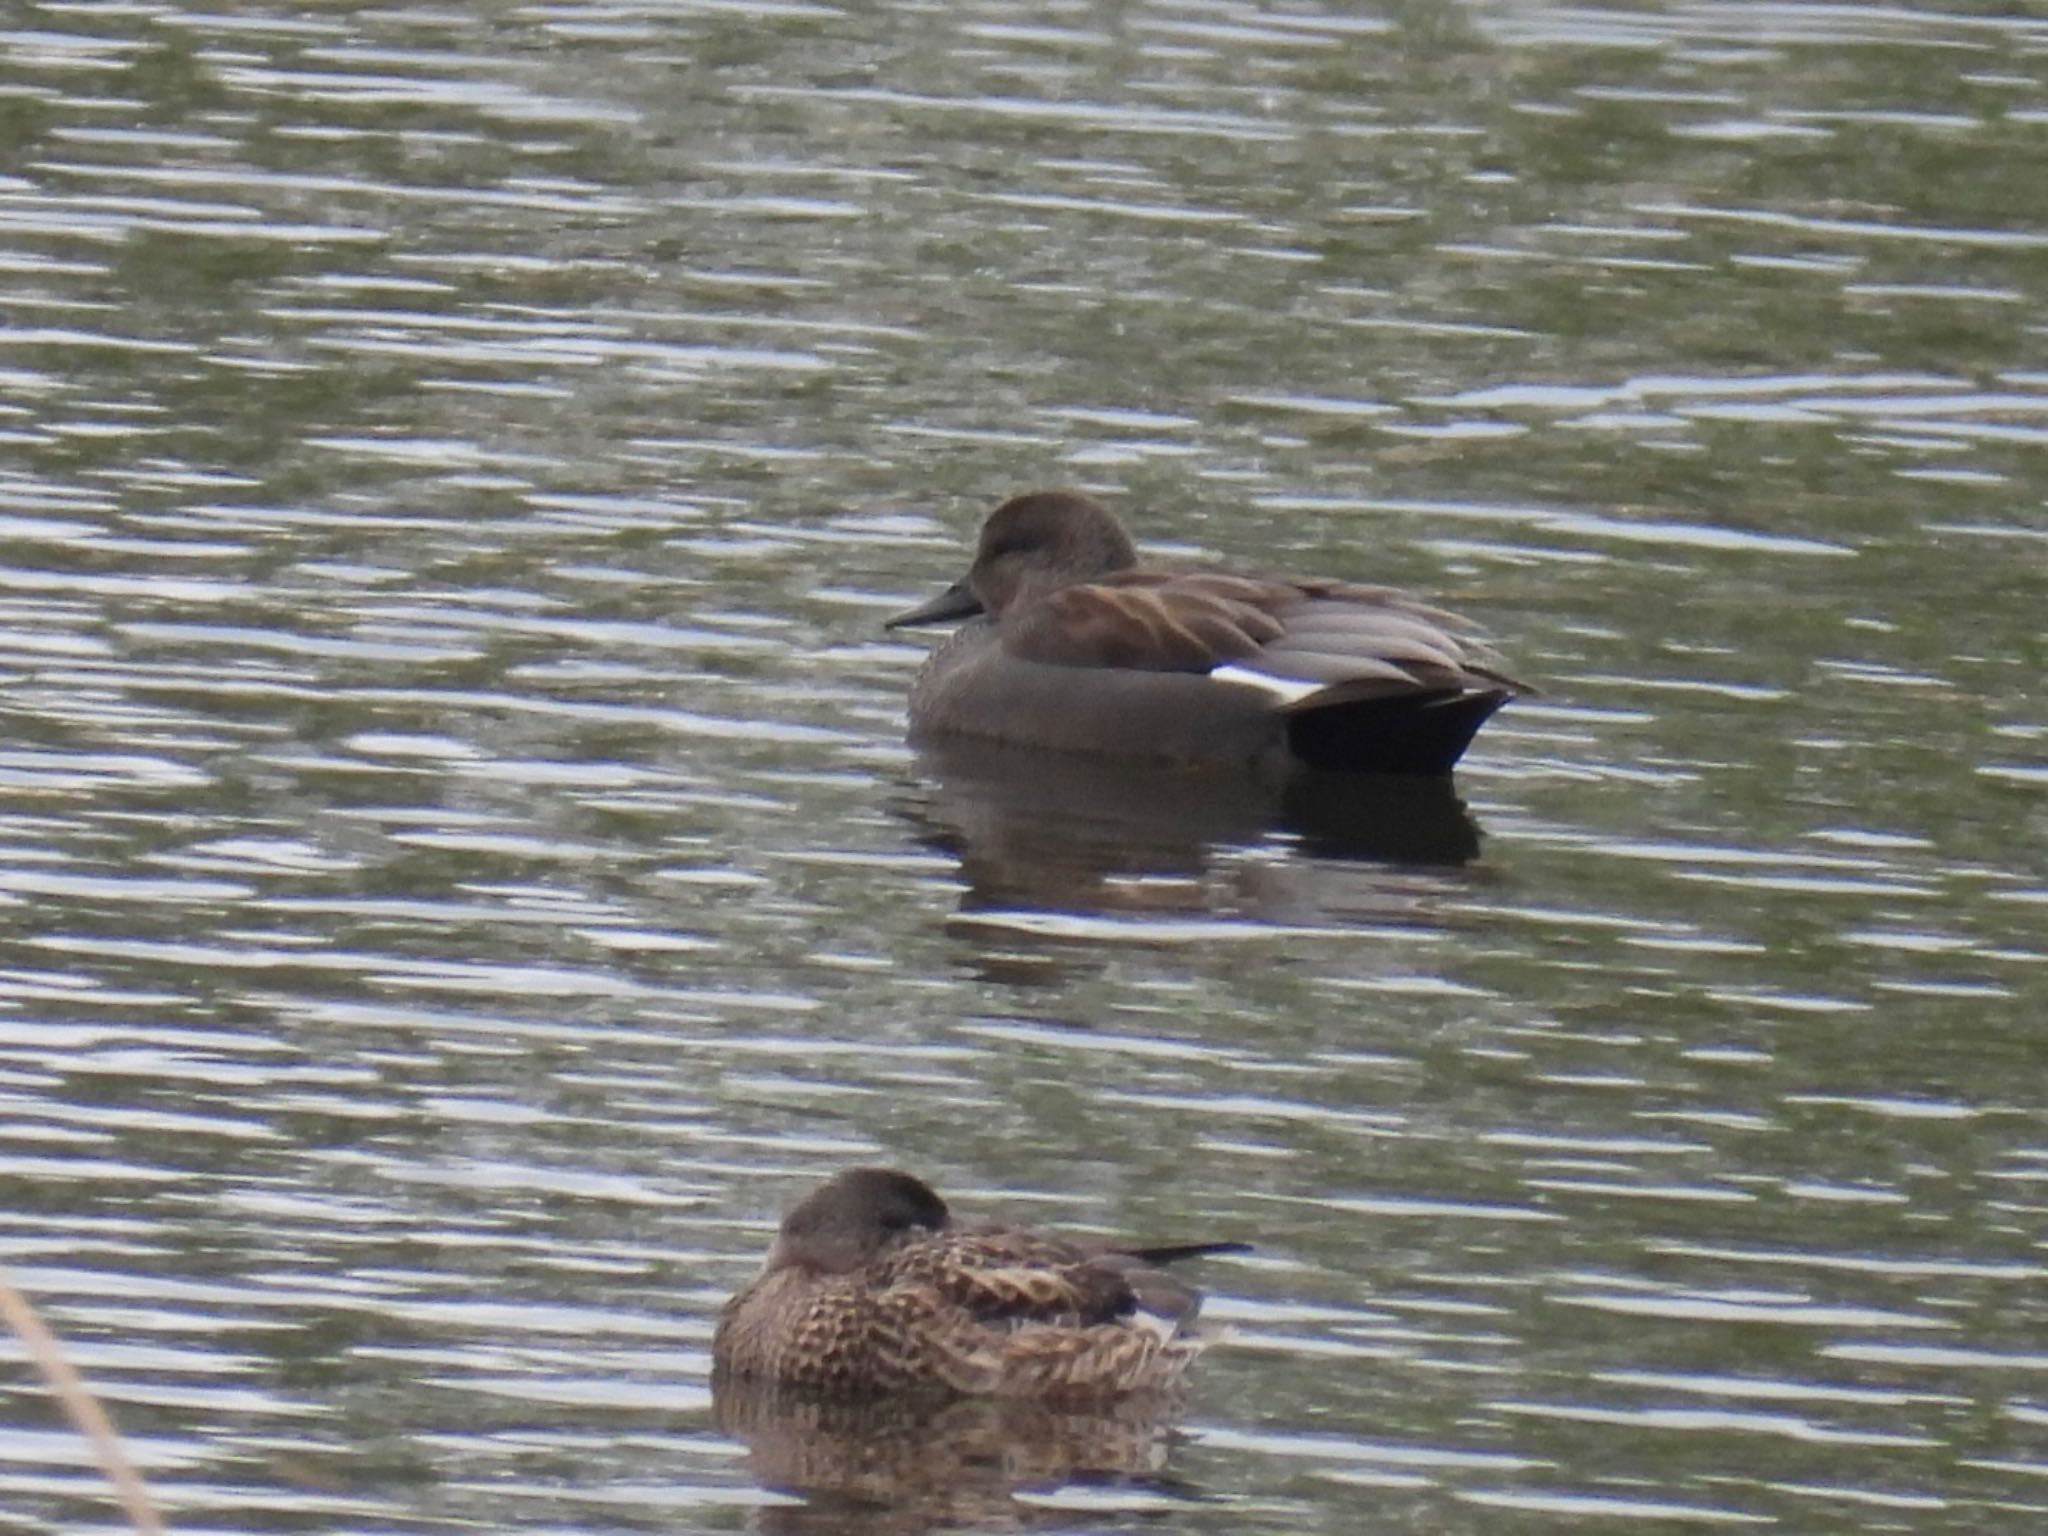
x: 1169, y: 1252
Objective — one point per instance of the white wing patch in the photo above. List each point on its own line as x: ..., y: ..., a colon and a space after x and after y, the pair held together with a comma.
x: 1288, y: 690
x: 1165, y: 1329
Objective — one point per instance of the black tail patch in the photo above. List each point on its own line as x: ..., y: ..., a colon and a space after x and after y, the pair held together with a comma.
x: 1422, y: 733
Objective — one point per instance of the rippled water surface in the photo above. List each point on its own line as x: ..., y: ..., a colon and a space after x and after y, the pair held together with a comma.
x: 461, y: 873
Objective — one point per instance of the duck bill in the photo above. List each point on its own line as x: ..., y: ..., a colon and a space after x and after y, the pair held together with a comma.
x: 955, y: 603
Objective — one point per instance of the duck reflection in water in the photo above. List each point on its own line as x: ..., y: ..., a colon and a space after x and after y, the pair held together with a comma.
x: 915, y: 1462
x: 1052, y: 831
x: 887, y: 1355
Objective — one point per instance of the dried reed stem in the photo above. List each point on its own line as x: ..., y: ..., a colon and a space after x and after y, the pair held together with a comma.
x: 81, y: 1407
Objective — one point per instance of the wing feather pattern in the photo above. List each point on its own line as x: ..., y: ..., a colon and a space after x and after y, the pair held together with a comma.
x: 1366, y: 640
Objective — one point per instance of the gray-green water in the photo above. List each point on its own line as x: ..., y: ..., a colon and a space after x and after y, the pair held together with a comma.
x: 462, y: 873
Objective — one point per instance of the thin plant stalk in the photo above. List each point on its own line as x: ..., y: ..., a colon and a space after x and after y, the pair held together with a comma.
x: 81, y: 1407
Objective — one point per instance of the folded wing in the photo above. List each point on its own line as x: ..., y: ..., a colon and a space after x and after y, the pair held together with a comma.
x: 1298, y: 639
x: 1007, y: 1278
x: 1024, y: 1312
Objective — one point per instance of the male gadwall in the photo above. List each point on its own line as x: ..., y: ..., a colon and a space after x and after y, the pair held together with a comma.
x: 871, y: 1288
x: 1073, y: 645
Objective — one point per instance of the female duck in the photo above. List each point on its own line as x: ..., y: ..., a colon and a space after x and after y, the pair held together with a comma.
x: 871, y: 1288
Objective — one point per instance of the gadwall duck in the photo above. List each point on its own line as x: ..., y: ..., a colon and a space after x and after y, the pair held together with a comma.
x: 870, y: 1288
x: 1073, y: 645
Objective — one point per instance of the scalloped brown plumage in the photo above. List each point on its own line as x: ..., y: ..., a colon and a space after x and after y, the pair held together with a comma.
x: 1071, y: 644
x: 871, y: 1288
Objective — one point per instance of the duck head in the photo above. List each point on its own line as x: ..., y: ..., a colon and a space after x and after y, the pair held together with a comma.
x: 850, y: 1218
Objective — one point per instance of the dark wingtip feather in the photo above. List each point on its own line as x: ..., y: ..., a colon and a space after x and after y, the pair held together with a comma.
x: 1167, y: 1253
